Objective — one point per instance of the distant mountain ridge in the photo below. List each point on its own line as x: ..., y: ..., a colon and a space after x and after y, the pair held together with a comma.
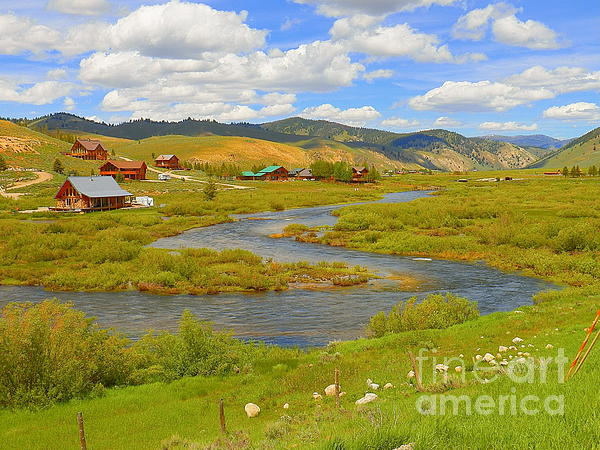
x: 583, y: 151
x: 531, y: 140
x: 434, y: 149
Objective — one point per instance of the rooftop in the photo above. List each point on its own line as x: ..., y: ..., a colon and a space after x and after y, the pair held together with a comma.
x: 96, y: 187
x: 270, y: 169
x: 125, y: 164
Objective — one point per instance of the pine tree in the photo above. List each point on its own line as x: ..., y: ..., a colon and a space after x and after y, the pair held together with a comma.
x: 210, y: 189
x: 565, y: 171
x: 58, y: 167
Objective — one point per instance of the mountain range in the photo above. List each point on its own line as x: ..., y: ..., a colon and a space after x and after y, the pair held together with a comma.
x: 433, y: 149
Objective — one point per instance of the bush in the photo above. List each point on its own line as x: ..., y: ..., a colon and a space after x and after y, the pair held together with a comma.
x: 435, y: 311
x: 51, y: 352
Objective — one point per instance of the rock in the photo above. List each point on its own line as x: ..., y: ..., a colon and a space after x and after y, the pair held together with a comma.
x: 549, y: 346
x: 502, y: 349
x: 458, y: 369
x: 317, y: 396
x: 512, y: 347
x: 519, y: 353
x: 498, y: 356
x: 461, y: 356
x: 488, y: 357
x: 330, y: 390
x: 368, y: 398
x: 374, y: 386
x: 410, y: 446
x: 504, y: 362
x: 411, y: 374
x: 441, y: 368
x: 286, y: 406
x: 478, y: 358
x: 369, y: 382
x: 388, y: 386
x: 252, y: 410
x: 342, y: 394
x: 526, y: 354
x: 517, y: 340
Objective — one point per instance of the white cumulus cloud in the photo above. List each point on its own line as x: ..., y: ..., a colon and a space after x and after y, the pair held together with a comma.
x: 81, y: 7
x: 585, y: 111
x: 351, y: 116
x: 507, y: 126
x: 399, y: 123
x: 445, y: 121
x: 339, y: 8
x: 560, y: 80
x: 42, y: 93
x: 21, y: 34
x: 506, y: 28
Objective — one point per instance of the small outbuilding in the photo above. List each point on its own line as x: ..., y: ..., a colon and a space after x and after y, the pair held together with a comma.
x: 359, y: 173
x: 88, y: 149
x: 91, y: 194
x: 131, y: 170
x: 167, y: 162
x: 305, y: 174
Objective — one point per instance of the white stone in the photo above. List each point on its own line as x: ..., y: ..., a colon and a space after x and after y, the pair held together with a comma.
x: 330, y: 390
x: 441, y: 368
x: 374, y: 386
x: 504, y: 362
x: 512, y: 347
x: 488, y: 357
x: 252, y: 410
x: 411, y: 374
x: 478, y: 358
x: 526, y: 354
x: 502, y: 349
x: 549, y: 346
x: 369, y: 382
x: 388, y: 386
x: 517, y: 340
x: 458, y: 369
x: 286, y: 406
x: 461, y: 356
x: 317, y: 396
x: 520, y: 354
x: 368, y: 398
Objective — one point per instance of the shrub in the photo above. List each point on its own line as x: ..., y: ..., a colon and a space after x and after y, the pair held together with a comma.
x: 435, y: 311
x: 51, y: 352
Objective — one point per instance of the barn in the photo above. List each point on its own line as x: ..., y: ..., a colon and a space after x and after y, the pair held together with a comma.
x: 131, y: 170
x: 91, y: 194
x: 88, y: 149
x: 360, y: 173
x: 167, y: 162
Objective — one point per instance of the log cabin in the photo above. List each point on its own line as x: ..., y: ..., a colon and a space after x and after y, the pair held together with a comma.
x: 91, y: 194
x: 131, y: 170
x: 360, y: 173
x: 88, y: 149
x: 167, y: 162
x: 273, y: 173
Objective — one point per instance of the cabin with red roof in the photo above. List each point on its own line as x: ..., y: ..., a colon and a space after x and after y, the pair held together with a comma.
x: 88, y: 149
x: 360, y: 173
x: 167, y: 162
x: 131, y: 170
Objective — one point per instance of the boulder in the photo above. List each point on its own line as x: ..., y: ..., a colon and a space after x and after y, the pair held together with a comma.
x: 252, y: 410
x: 411, y: 374
x: 517, y: 340
x: 488, y: 357
x: 502, y: 349
x: 388, y: 386
x: 374, y: 386
x: 330, y: 390
x: 286, y: 406
x: 368, y: 398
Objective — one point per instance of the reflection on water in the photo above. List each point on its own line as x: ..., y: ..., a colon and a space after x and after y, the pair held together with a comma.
x: 302, y: 317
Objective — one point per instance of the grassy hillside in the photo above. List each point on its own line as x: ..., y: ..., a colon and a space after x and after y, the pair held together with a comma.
x: 246, y: 152
x: 583, y: 151
x: 24, y: 148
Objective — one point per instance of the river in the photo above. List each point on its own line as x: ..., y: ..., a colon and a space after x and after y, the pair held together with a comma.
x: 296, y: 317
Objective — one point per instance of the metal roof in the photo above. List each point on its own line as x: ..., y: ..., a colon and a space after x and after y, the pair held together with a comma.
x: 95, y: 187
x: 296, y: 171
x: 270, y: 169
x: 305, y: 173
x: 125, y: 164
x: 164, y: 157
x: 248, y: 173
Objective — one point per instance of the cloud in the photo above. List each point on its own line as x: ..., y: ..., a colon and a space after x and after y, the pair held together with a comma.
x: 508, y: 126
x: 57, y: 74
x: 288, y: 24
x: 351, y: 116
x: 444, y: 121
x: 340, y: 8
x: 506, y: 28
x: 589, y: 112
x: 69, y: 104
x: 399, y: 123
x: 479, y: 96
x: 21, y: 34
x: 362, y: 34
x: 381, y: 73
x: 80, y: 7
x: 42, y: 93
x: 560, y: 80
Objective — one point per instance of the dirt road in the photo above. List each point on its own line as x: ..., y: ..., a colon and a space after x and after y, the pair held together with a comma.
x: 41, y: 178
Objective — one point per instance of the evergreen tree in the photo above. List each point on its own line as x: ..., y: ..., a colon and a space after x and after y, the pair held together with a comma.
x: 210, y: 189
x: 58, y: 167
x: 3, y: 165
x: 565, y: 171
x: 119, y: 178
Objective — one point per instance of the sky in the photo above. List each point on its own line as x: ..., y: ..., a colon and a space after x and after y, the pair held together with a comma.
x: 471, y: 66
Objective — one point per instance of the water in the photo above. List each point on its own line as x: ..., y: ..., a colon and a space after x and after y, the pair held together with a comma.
x: 302, y: 317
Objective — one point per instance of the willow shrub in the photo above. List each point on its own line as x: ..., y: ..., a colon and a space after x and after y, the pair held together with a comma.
x: 51, y: 352
x: 435, y: 311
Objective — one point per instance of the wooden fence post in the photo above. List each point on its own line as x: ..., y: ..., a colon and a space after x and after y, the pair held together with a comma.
x: 337, y: 388
x: 416, y: 371
x: 82, y: 442
x: 222, y: 417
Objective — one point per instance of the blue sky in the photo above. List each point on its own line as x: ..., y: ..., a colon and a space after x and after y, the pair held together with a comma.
x: 476, y: 67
